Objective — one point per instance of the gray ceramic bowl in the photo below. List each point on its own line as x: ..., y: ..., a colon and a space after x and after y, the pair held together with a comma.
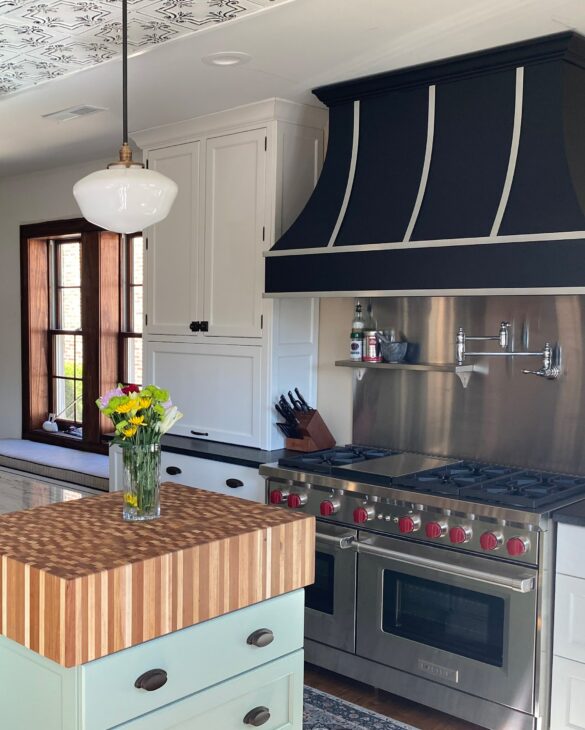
x: 393, y: 351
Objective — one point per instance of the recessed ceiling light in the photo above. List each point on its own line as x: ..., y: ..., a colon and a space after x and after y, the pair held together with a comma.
x: 226, y: 58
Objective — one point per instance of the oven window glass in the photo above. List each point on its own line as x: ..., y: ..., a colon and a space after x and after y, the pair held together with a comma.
x: 319, y: 596
x: 461, y: 621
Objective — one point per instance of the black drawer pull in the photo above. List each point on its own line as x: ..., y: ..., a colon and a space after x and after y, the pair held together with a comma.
x: 234, y: 483
x: 258, y: 716
x: 195, y: 326
x: 204, y: 326
x: 174, y: 470
x: 199, y: 433
x: 151, y: 680
x: 260, y: 638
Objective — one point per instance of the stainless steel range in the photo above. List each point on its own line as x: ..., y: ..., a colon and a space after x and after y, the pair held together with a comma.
x: 432, y: 576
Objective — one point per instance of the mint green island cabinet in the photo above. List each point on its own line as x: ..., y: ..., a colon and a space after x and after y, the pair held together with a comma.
x: 194, y: 624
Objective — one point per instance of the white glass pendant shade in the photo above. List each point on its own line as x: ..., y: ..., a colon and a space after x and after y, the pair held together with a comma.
x: 125, y: 199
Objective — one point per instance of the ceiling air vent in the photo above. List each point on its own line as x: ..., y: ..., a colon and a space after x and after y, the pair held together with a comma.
x: 65, y: 115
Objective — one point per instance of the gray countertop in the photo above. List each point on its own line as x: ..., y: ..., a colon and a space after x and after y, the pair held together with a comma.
x: 574, y: 514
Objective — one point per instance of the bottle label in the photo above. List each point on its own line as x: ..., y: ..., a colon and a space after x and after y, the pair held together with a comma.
x: 356, y: 347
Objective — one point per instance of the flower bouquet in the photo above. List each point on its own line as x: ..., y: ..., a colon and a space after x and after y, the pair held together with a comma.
x: 140, y: 416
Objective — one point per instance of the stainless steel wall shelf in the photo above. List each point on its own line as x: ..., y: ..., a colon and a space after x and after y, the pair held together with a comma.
x: 462, y: 371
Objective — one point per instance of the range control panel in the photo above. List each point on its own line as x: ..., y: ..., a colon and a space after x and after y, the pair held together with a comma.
x: 425, y: 524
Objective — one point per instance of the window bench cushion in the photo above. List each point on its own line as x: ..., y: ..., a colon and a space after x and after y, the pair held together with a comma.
x: 56, y: 462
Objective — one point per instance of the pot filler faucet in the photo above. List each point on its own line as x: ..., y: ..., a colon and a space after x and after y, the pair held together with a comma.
x: 550, y: 356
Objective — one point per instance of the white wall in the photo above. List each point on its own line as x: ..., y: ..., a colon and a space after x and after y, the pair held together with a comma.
x: 32, y: 198
x: 335, y: 385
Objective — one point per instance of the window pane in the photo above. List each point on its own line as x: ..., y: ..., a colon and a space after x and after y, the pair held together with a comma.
x: 137, y: 314
x: 70, y: 260
x: 137, y: 260
x: 134, y: 360
x: 70, y: 306
x: 64, y: 398
x: 68, y: 356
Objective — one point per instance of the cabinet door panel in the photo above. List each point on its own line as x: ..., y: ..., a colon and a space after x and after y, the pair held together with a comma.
x: 216, y: 387
x: 235, y: 218
x: 568, y: 695
x: 277, y: 686
x: 173, y: 246
x: 569, y: 612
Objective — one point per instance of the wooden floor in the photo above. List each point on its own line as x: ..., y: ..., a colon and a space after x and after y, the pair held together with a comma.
x: 397, y: 708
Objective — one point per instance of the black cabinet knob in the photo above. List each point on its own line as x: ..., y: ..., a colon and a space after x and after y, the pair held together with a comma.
x: 260, y: 638
x: 151, y: 680
x: 174, y: 470
x: 234, y: 483
x: 258, y: 716
x: 195, y: 326
x: 204, y: 326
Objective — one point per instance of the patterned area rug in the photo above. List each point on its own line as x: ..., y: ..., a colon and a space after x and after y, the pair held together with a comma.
x: 325, y: 712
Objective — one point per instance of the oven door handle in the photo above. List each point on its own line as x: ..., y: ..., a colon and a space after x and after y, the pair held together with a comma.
x: 520, y: 585
x: 343, y: 542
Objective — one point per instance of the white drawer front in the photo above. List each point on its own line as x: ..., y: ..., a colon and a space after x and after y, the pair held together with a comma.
x: 570, y: 617
x: 277, y: 687
x: 570, y: 550
x: 215, y: 476
x: 568, y: 695
x: 194, y: 659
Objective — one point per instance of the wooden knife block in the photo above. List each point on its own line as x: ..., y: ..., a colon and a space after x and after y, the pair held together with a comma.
x: 316, y: 435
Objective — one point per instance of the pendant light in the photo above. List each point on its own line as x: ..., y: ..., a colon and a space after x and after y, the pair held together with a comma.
x: 126, y: 197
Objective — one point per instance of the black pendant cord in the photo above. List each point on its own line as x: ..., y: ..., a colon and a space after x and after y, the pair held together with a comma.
x: 125, y: 71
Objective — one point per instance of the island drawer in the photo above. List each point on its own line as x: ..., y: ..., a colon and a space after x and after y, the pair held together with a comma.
x: 273, y: 693
x: 193, y: 659
x: 215, y: 476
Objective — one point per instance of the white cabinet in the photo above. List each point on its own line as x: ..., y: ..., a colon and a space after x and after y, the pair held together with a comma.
x: 210, y: 337
x: 235, y: 229
x: 215, y: 476
x: 174, y: 259
x: 568, y: 669
x: 215, y: 386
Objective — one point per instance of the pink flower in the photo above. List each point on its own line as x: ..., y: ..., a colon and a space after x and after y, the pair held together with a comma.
x: 107, y: 397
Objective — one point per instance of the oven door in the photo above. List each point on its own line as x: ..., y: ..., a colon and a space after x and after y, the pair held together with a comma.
x: 466, y: 622
x: 330, y: 604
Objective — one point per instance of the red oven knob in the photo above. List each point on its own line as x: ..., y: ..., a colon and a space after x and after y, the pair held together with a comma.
x: 295, y: 501
x: 409, y: 523
x: 459, y: 535
x: 363, y: 514
x: 491, y: 540
x: 278, y: 496
x: 517, y: 546
x: 329, y: 507
x: 435, y: 530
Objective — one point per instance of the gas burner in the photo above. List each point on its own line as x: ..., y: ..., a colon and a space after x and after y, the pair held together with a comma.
x: 528, y: 489
x: 322, y: 462
x: 454, y: 479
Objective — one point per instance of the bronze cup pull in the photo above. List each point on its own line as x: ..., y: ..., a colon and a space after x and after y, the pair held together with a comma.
x: 260, y: 638
x: 151, y: 680
x: 234, y: 483
x: 258, y: 716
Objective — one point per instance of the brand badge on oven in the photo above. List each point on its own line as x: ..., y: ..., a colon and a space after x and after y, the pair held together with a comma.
x: 452, y: 675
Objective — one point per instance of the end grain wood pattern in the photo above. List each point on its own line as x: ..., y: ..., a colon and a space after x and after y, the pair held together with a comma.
x: 78, y: 583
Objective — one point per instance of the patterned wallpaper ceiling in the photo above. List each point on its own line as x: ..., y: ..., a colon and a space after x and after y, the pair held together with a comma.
x: 44, y: 40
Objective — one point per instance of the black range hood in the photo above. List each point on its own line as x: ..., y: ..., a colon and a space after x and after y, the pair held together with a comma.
x: 462, y: 176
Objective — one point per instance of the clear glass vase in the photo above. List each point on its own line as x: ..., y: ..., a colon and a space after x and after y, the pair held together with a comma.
x: 141, y: 482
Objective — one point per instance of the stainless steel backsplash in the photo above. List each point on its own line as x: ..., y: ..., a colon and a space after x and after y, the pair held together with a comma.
x: 503, y: 416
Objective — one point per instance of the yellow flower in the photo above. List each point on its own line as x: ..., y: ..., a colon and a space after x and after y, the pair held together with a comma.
x: 131, y: 499
x: 144, y: 402
x: 129, y: 431
x: 136, y: 420
x: 124, y: 407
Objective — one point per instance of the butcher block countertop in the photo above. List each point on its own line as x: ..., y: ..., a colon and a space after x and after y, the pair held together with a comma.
x: 78, y: 583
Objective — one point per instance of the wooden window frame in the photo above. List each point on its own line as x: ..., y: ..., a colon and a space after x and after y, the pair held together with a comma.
x: 127, y: 304
x: 100, y: 324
